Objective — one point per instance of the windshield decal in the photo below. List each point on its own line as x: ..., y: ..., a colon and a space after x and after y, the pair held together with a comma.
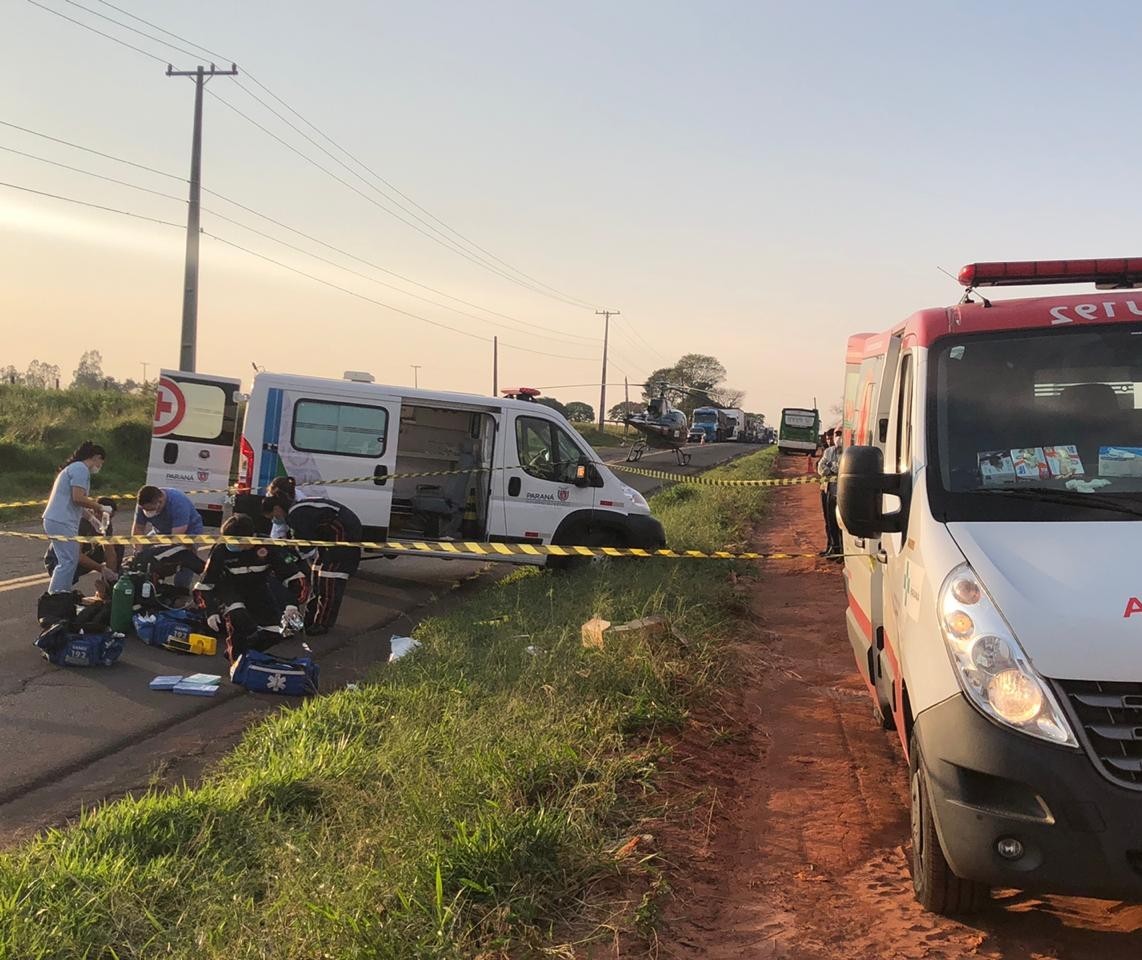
x: 1120, y: 461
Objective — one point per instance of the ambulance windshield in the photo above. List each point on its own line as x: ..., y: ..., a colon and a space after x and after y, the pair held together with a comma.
x: 1042, y: 425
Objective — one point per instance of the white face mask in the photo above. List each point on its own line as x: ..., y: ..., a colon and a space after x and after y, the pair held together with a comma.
x: 151, y: 514
x: 96, y: 468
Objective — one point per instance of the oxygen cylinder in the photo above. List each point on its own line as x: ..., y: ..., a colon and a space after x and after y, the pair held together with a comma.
x: 122, y: 604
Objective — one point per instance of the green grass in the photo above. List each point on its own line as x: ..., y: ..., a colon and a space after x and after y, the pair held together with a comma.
x: 39, y: 429
x: 610, y: 436
x: 466, y: 801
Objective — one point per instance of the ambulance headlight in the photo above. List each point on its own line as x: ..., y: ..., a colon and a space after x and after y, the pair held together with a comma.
x: 636, y: 498
x: 991, y: 666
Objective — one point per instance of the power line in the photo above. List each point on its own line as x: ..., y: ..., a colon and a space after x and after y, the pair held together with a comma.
x: 365, y: 276
x: 444, y: 242
x: 126, y: 26
x: 97, y: 176
x: 155, y: 26
x: 87, y: 26
x: 530, y: 284
x: 285, y: 266
x: 330, y: 140
x: 561, y: 336
x: 97, y: 206
x: 379, y: 303
x: 106, y: 156
x: 533, y: 282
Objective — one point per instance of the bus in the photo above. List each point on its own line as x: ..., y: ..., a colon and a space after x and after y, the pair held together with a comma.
x: 800, y: 429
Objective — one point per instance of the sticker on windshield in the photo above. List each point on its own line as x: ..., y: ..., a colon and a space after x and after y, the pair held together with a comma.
x: 995, y: 467
x: 1064, y: 461
x: 1120, y: 461
x: 1030, y: 463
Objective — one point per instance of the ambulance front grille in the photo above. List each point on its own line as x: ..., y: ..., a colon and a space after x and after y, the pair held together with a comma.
x: 1109, y: 715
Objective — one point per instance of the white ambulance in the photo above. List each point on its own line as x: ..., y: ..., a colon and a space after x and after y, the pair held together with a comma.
x: 507, y: 470
x: 990, y: 493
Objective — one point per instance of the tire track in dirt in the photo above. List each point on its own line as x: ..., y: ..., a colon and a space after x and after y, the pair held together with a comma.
x: 802, y: 851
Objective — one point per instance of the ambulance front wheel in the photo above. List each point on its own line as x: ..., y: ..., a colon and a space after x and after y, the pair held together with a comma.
x: 936, y: 887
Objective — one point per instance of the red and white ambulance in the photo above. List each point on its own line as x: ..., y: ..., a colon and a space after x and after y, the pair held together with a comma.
x: 991, y: 498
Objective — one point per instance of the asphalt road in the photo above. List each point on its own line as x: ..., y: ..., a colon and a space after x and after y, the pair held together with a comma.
x: 73, y: 736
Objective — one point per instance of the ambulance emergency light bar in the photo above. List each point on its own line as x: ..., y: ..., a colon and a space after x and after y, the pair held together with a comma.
x: 1104, y: 274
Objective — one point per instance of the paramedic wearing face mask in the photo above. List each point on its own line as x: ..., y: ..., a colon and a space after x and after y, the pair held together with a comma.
x: 69, y: 497
x: 235, y: 589
x: 102, y: 559
x: 170, y: 511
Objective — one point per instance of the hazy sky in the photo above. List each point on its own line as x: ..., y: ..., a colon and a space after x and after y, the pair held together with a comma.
x: 747, y: 179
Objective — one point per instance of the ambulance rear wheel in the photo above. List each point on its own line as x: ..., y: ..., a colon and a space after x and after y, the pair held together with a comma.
x: 936, y: 887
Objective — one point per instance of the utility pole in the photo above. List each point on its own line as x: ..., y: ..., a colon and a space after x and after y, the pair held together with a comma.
x: 606, y: 315
x: 626, y: 407
x: 415, y: 375
x: 188, y: 349
x: 495, y: 366
x: 144, y: 363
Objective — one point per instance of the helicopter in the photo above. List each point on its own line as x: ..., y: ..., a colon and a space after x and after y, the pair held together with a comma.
x: 662, y: 426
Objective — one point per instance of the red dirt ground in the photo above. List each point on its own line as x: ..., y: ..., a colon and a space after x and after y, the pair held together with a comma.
x: 795, y: 844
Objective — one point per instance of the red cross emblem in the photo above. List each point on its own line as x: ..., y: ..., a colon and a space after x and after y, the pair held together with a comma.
x: 170, y: 407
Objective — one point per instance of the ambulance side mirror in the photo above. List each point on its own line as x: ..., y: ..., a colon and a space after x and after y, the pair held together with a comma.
x: 861, y: 486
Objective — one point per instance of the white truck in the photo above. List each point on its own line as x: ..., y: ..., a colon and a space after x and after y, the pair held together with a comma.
x: 737, y: 429
x: 991, y: 497
x: 513, y: 470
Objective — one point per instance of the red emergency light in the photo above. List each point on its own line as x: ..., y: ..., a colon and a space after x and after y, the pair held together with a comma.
x: 1123, y: 272
x: 521, y: 393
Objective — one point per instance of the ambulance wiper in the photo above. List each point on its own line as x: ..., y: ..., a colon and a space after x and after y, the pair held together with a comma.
x: 1070, y: 497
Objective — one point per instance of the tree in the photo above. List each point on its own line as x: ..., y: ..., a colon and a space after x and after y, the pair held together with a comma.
x: 89, y: 374
x: 44, y: 376
x: 727, y: 397
x: 580, y: 412
x: 552, y: 403
x: 11, y: 375
x: 690, y: 381
x: 628, y: 408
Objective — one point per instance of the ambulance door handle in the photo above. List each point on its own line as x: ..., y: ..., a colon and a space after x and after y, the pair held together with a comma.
x: 514, y: 485
x: 170, y: 453
x: 380, y: 475
x: 860, y: 543
x: 881, y: 555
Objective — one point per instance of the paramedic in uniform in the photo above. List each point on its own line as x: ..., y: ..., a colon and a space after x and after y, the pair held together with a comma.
x: 317, y: 518
x: 235, y: 588
x: 169, y: 511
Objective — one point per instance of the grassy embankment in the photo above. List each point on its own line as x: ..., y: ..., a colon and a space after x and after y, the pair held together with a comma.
x: 610, y: 436
x: 467, y: 801
x: 39, y: 429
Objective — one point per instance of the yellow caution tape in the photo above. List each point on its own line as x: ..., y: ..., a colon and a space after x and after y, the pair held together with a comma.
x: 717, y: 481
x: 460, y: 548
x: 655, y: 474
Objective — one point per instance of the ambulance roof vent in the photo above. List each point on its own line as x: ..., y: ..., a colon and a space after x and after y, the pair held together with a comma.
x: 359, y: 376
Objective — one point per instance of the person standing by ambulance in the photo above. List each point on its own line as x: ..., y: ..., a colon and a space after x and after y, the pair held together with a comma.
x: 317, y: 518
x: 71, y: 493
x: 827, y: 469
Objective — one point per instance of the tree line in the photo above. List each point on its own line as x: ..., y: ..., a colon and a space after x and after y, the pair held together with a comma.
x: 88, y: 375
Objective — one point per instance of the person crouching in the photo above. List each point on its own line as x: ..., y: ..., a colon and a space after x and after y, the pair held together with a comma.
x: 235, y: 589
x: 320, y: 519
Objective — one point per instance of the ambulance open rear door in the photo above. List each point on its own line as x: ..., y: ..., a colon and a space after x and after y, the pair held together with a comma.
x: 192, y: 438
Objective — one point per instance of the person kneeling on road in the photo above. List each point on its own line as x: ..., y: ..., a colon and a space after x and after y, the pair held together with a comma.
x: 169, y: 511
x: 319, y: 519
x: 235, y: 589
